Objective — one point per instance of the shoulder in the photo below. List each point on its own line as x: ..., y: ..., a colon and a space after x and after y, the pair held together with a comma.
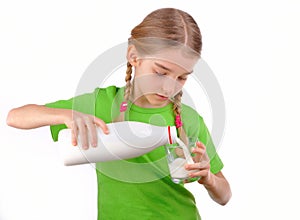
x: 189, y: 112
x: 108, y: 94
x: 192, y: 121
x: 109, y: 91
x: 107, y: 102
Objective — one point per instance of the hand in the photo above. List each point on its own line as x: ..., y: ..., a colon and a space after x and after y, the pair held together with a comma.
x: 201, y: 167
x: 84, y: 125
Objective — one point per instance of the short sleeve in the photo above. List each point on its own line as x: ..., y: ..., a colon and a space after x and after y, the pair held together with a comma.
x: 99, y: 103
x: 83, y: 103
x: 216, y: 164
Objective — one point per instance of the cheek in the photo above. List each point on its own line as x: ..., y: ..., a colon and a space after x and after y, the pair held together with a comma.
x: 182, y: 83
x: 142, y: 68
x: 178, y: 86
x: 148, y: 83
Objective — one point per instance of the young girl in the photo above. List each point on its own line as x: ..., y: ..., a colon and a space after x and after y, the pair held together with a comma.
x: 162, y: 52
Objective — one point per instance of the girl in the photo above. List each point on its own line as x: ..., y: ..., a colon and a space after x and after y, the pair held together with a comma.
x: 162, y: 52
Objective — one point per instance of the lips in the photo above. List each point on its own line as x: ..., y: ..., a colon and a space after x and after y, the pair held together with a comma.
x: 162, y: 97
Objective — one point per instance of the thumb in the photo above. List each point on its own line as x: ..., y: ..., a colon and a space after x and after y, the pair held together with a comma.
x: 199, y: 151
x: 100, y: 123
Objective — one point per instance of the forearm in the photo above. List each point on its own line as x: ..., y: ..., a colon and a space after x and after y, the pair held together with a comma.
x: 218, y: 189
x: 34, y: 116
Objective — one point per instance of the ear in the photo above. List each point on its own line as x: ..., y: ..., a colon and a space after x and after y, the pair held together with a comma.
x: 132, y: 55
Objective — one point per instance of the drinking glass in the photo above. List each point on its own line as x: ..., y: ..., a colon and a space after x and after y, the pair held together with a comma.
x: 177, y: 156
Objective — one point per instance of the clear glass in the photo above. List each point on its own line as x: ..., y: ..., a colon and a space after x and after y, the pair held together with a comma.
x: 177, y: 160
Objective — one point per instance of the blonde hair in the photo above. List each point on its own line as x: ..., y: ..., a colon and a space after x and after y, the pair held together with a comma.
x: 164, y: 28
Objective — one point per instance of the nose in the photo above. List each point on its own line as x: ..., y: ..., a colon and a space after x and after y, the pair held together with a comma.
x: 169, y: 86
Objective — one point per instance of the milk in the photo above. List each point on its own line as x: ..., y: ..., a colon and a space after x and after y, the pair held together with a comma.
x: 177, y: 169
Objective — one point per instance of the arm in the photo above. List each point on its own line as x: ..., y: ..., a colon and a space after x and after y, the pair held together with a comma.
x: 34, y: 116
x: 218, y: 188
x: 216, y: 185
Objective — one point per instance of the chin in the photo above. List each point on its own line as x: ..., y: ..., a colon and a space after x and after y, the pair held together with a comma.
x: 152, y: 101
x: 158, y: 104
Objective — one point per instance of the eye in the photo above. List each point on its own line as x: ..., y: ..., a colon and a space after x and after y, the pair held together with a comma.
x: 182, y: 78
x: 159, y: 74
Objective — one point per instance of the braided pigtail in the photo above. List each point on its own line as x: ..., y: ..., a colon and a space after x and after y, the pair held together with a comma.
x: 127, y: 93
x: 128, y: 77
x: 178, y: 121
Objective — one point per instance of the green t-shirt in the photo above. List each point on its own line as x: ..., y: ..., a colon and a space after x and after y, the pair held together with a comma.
x: 140, y: 188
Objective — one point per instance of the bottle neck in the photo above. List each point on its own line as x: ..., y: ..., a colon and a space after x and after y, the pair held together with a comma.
x: 172, y: 134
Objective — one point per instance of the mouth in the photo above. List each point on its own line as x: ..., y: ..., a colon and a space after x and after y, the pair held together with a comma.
x: 161, y: 97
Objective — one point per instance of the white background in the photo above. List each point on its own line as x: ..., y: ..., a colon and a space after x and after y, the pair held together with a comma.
x: 253, y: 49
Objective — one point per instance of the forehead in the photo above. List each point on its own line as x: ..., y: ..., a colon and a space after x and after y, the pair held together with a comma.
x: 171, y: 58
x: 169, y: 67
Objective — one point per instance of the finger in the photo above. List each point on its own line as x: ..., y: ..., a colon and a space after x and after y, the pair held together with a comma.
x: 200, y: 152
x: 82, y: 133
x: 201, y: 173
x: 74, y: 130
x: 198, y: 166
x: 200, y: 145
x: 101, y: 124
x: 92, y: 132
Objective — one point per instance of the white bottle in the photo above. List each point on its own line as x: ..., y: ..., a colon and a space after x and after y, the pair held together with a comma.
x: 125, y: 140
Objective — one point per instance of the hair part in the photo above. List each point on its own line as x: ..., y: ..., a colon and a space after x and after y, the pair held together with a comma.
x: 174, y: 26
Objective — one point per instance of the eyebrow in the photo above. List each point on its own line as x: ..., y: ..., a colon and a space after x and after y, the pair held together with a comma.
x: 167, y: 69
